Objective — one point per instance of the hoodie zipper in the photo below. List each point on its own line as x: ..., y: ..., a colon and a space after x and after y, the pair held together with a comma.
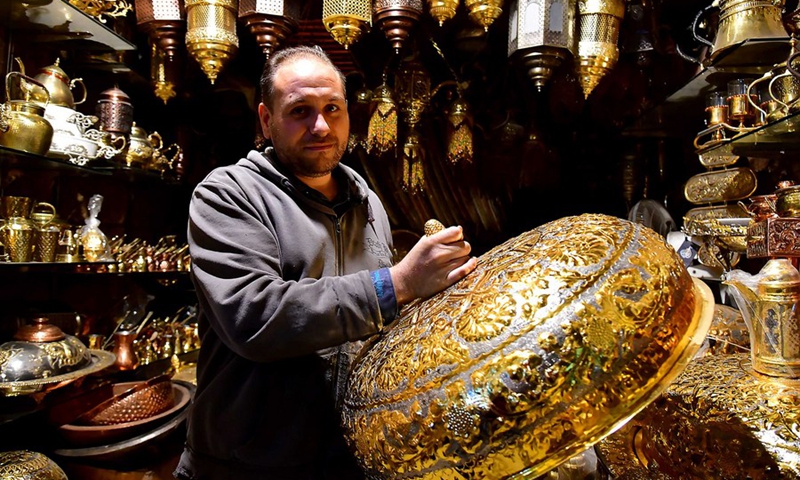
x: 337, y: 367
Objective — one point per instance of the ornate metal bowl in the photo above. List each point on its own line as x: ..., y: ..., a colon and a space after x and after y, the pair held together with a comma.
x: 720, y: 420
x: 559, y: 337
x: 28, y: 465
x: 40, y: 350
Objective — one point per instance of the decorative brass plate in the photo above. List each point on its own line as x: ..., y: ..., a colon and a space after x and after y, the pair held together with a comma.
x: 100, y: 359
x: 709, y: 160
x: 774, y: 237
x: 558, y: 337
x: 707, y: 221
x: 719, y: 420
x: 721, y: 186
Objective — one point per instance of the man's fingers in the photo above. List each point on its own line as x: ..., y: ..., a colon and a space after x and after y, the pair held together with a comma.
x: 458, y: 273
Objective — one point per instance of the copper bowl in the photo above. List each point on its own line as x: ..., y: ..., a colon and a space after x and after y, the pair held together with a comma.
x: 86, y: 436
x: 132, y: 401
x: 555, y: 340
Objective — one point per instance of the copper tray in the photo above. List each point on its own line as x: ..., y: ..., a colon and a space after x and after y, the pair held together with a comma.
x: 93, y: 435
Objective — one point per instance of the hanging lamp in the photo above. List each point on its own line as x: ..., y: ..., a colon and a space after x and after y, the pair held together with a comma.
x: 397, y: 18
x: 598, y: 31
x: 347, y: 20
x: 270, y: 21
x: 164, y: 21
x: 211, y: 34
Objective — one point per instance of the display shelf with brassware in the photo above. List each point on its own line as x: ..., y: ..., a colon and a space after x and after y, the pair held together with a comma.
x: 59, y: 21
x: 668, y: 118
x: 776, y: 139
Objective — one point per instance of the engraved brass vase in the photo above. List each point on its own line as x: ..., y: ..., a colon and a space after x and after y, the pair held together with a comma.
x: 556, y: 339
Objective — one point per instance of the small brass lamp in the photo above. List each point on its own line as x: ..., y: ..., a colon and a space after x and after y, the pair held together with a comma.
x: 541, y: 35
x: 484, y: 12
x: 164, y: 21
x: 598, y: 25
x: 397, y: 18
x: 413, y: 89
x: 270, y: 21
x: 346, y: 20
x: 211, y: 34
x: 442, y: 10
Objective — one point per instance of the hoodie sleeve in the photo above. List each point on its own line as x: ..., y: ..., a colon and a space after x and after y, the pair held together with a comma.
x: 236, y: 262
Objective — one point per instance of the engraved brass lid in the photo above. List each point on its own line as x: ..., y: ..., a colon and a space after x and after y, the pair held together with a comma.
x: 556, y: 339
x: 27, y: 465
x: 40, y: 350
x: 39, y: 331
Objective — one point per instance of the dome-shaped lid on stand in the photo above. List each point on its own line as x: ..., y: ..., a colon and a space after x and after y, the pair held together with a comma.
x: 556, y: 339
x: 25, y: 465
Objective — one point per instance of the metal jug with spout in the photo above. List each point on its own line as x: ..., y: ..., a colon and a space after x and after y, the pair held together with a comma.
x: 769, y: 303
x: 22, y: 122
x: 741, y: 20
x: 59, y: 85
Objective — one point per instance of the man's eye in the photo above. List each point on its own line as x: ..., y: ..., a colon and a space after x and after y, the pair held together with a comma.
x: 333, y: 108
x: 297, y: 111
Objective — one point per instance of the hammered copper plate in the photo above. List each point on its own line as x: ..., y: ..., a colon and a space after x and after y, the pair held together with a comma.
x: 558, y: 337
x: 92, y: 435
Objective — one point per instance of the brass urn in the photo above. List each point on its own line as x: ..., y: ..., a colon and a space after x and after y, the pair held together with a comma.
x: 556, y: 339
x: 22, y: 123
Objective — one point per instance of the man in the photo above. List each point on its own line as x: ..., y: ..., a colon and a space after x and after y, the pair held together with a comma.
x: 292, y: 267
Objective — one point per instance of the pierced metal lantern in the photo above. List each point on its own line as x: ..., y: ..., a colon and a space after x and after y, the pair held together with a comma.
x: 270, y: 21
x: 347, y: 20
x: 164, y: 21
x: 541, y: 35
x: 211, y: 34
x: 397, y: 18
x: 484, y: 12
x: 442, y: 10
x: 598, y: 26
x: 557, y: 338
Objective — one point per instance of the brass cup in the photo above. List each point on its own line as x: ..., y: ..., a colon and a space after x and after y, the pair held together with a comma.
x: 717, y: 115
x: 15, y: 207
x: 740, y: 108
x: 46, y: 242
x: 17, y: 236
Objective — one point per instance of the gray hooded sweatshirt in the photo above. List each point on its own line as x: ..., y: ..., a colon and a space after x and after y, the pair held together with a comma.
x: 285, y: 289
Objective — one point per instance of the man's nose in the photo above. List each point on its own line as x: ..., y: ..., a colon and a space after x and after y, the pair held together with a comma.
x: 320, y: 126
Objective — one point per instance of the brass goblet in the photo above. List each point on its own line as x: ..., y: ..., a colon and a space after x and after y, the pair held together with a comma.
x: 740, y: 107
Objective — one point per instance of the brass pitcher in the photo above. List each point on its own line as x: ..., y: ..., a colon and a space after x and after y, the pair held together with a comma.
x: 59, y: 85
x: 741, y: 20
x: 22, y: 123
x: 769, y: 303
x: 17, y: 235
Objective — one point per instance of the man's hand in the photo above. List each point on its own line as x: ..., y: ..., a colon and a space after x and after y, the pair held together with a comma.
x: 433, y: 264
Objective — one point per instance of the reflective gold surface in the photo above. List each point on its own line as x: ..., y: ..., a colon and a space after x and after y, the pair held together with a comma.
x: 99, y: 360
x: 719, y: 420
x: 558, y: 337
x: 28, y: 465
x: 728, y: 333
x: 720, y: 186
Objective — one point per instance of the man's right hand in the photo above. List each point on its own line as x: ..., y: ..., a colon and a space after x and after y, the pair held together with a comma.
x: 433, y: 264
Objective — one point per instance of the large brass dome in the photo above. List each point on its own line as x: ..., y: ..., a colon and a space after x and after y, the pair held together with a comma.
x: 559, y: 336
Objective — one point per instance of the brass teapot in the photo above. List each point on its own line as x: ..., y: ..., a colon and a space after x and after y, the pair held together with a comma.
x: 142, y: 146
x: 769, y: 302
x: 59, y: 85
x: 22, y: 123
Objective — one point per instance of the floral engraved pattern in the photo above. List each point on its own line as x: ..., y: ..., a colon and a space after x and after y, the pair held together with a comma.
x: 556, y: 335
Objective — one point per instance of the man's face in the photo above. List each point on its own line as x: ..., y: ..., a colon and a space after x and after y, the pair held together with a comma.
x: 308, y: 121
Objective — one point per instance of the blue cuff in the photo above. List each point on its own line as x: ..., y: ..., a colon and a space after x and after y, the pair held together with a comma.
x: 384, y: 288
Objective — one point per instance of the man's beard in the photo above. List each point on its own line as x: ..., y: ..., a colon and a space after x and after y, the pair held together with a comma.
x: 301, y: 164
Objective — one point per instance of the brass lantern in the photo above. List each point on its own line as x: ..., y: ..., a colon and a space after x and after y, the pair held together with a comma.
x: 211, y: 33
x: 270, y: 21
x: 346, y: 20
x: 442, y: 10
x: 164, y: 21
x: 598, y: 25
x: 397, y: 18
x: 484, y: 12
x: 459, y: 132
x: 541, y: 35
x: 413, y: 88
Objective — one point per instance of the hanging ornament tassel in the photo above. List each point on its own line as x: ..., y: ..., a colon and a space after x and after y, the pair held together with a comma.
x: 413, y: 174
x: 459, y: 145
x: 382, y: 128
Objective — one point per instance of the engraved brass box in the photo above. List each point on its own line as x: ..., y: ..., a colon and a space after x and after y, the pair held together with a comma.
x: 773, y: 237
x: 556, y: 339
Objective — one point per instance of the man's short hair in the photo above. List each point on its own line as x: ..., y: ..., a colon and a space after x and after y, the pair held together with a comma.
x: 286, y: 56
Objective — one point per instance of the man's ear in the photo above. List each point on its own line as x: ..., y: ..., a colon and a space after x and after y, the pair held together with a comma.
x: 263, y: 116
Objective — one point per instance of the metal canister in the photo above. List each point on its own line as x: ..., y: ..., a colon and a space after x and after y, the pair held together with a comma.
x: 115, y: 110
